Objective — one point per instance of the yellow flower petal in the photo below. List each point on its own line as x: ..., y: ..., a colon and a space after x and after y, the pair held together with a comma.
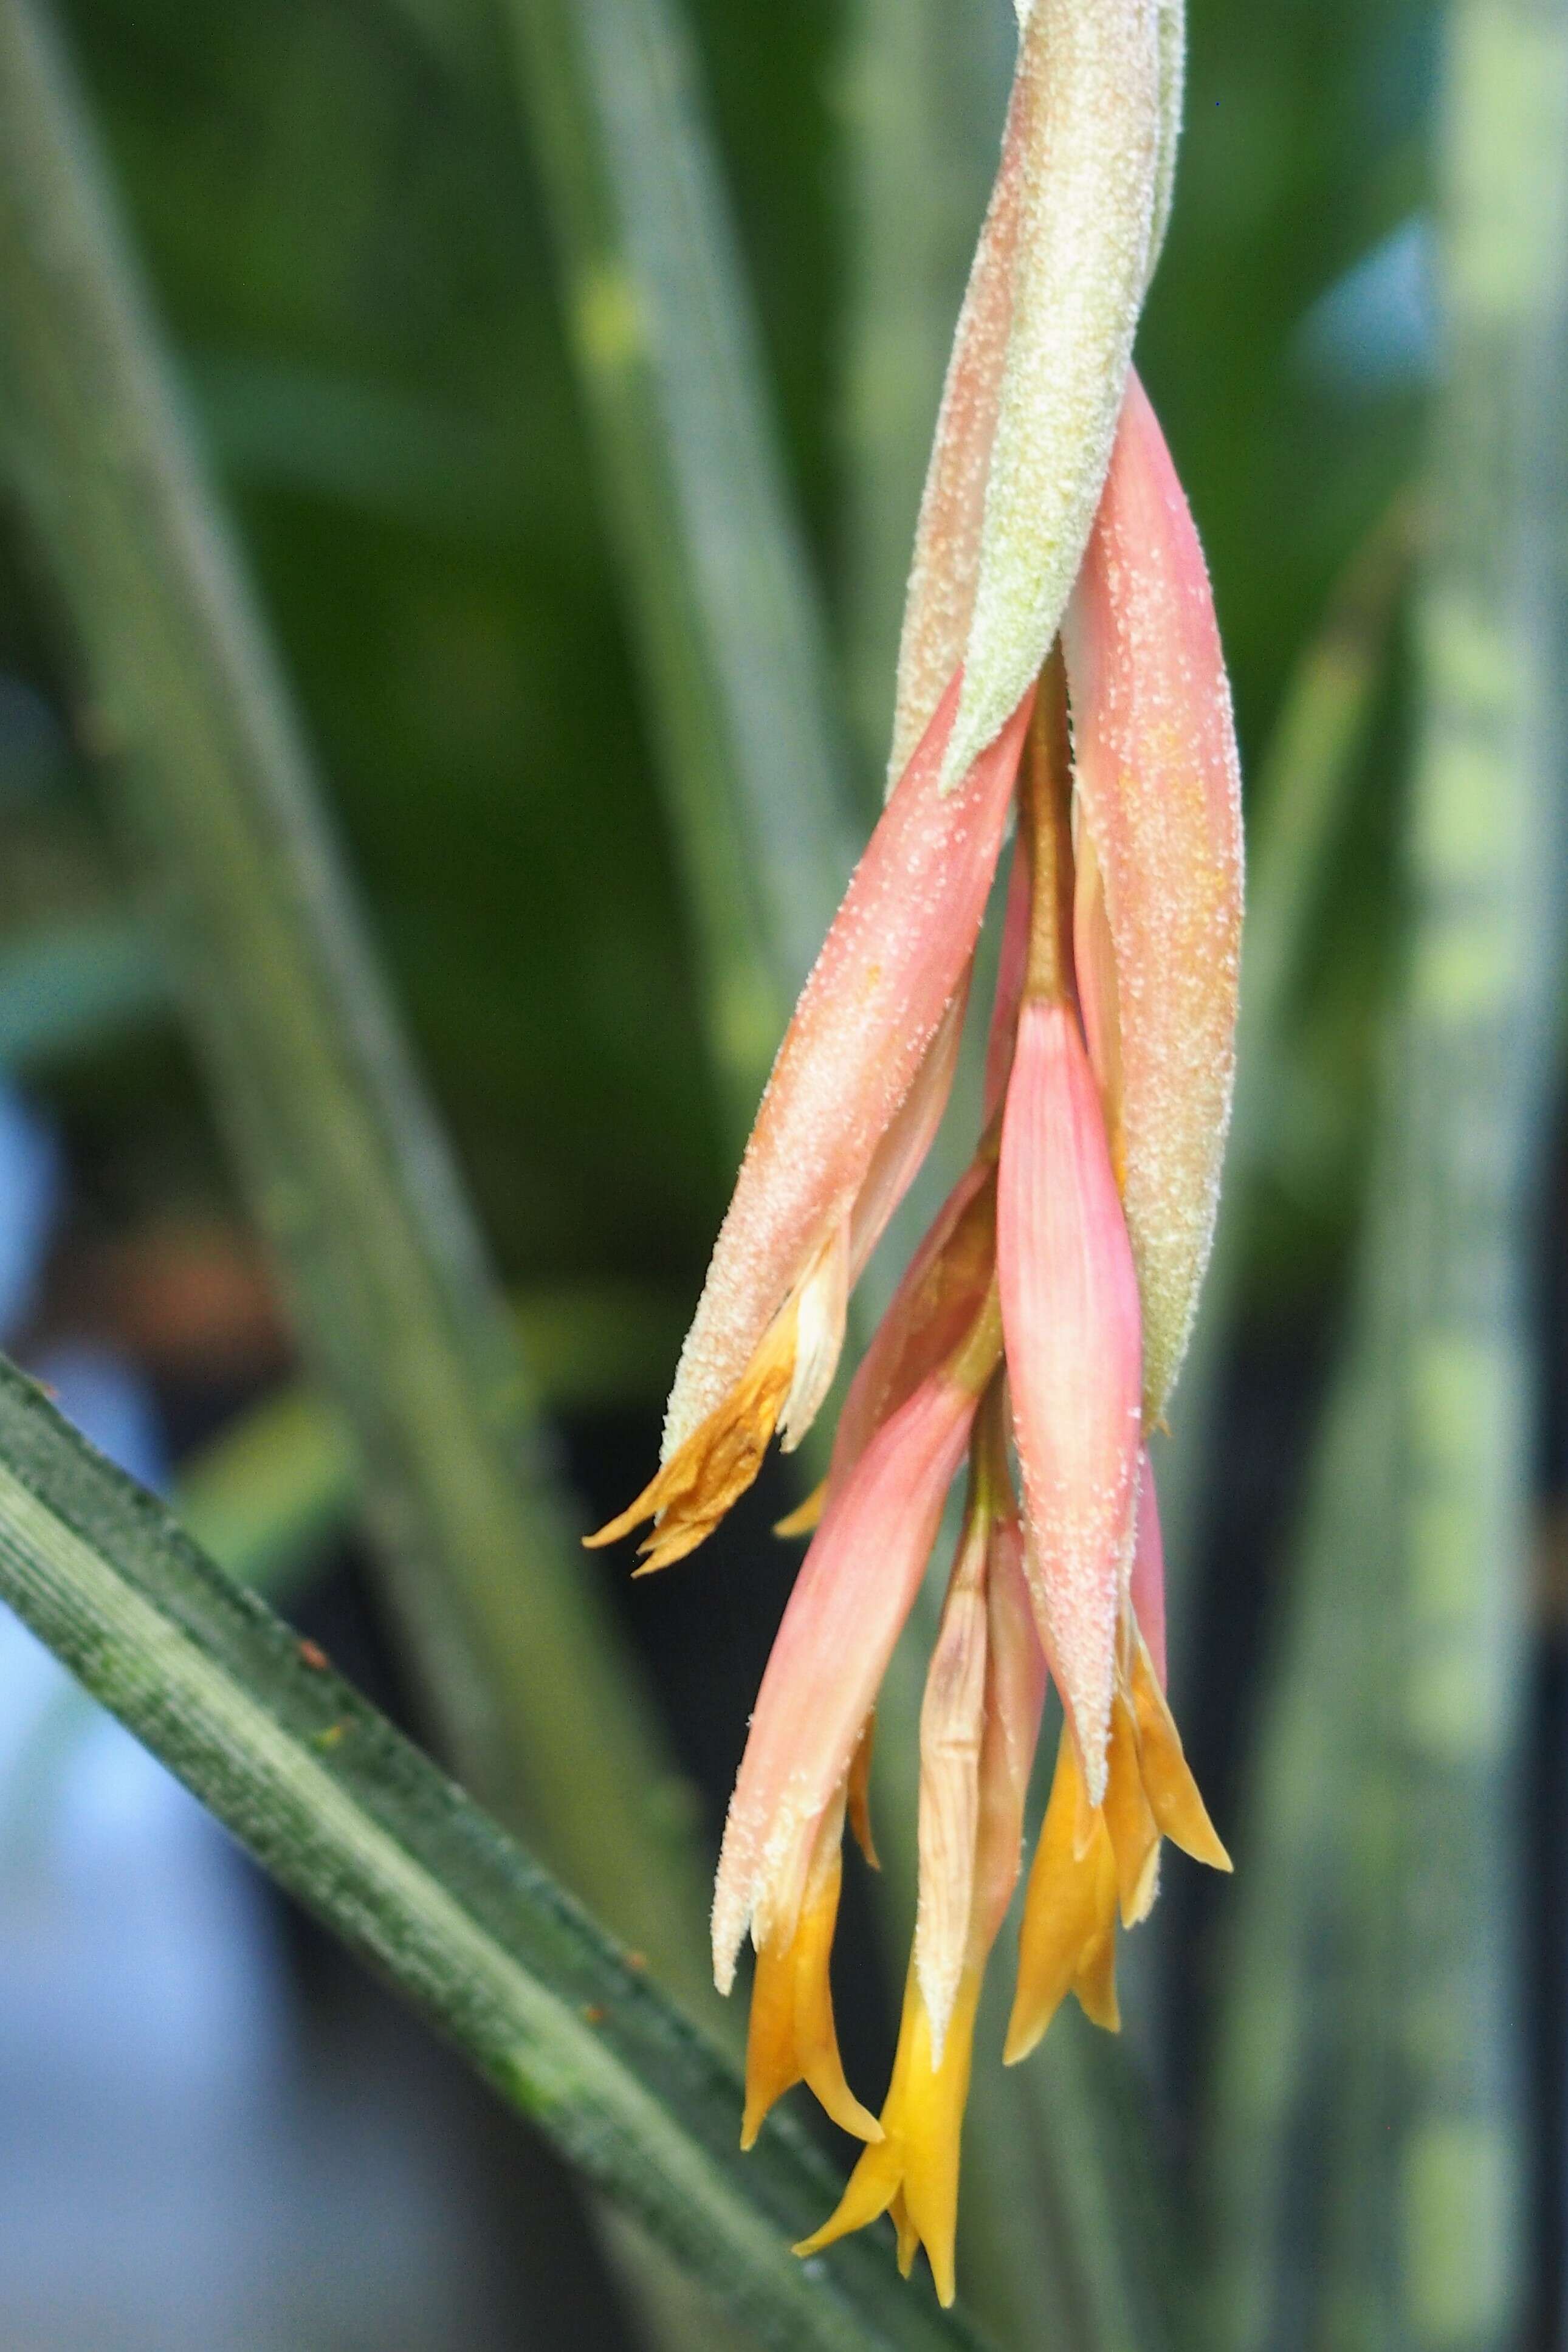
x: 1130, y: 1819
x: 804, y: 1519
x: 859, y: 1795
x: 913, y: 2170
x: 1172, y: 1793
x: 1068, y: 1943
x: 792, y: 2037
x: 690, y: 1492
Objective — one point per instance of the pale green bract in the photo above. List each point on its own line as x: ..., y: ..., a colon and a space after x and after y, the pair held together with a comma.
x: 1039, y: 364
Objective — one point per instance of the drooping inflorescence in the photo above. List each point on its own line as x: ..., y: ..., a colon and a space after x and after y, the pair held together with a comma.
x: 1060, y: 667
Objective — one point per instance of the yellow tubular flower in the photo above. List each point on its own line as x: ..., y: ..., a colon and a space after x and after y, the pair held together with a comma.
x: 792, y: 2037
x: 914, y: 2165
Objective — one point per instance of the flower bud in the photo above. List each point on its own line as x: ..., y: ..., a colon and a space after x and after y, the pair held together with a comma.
x: 1069, y: 1309
x: 1035, y: 384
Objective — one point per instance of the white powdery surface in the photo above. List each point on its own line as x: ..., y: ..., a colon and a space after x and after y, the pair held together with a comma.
x: 762, y: 1875
x: 1085, y: 132
x: 1070, y: 1313
x: 897, y: 954
x: 846, y: 1610
x: 940, y: 602
x: 1172, y: 92
x: 1159, y: 789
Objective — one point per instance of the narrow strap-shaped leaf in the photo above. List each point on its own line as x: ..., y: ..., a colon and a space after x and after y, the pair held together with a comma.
x: 349, y: 1176
x: 1374, y: 2013
x: 720, y: 599
x: 1302, y: 804
x: 1486, y: 849
x: 1315, y: 1835
x: 363, y: 1828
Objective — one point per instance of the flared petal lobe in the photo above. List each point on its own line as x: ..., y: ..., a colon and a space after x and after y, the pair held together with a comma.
x: 912, y: 2169
x: 791, y: 2036
x: 1068, y: 1939
x: 854, y: 1591
x: 1159, y: 798
x: 1069, y: 1309
x: 896, y: 956
x: 1092, y: 1862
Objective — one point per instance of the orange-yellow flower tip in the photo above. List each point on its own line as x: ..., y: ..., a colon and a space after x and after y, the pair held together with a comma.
x: 1130, y: 1819
x: 1093, y: 1861
x: 692, y: 1492
x: 870, y: 2190
x: 791, y: 2037
x: 672, y: 1541
x: 804, y: 1519
x: 1174, y: 1800
x: 912, y: 2172
x: 859, y: 1796
x: 1024, y: 2033
x: 908, y: 2236
x: 1095, y: 1984
x: 1068, y: 1943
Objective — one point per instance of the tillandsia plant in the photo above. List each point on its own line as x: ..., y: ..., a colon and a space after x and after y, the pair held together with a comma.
x: 1061, y: 660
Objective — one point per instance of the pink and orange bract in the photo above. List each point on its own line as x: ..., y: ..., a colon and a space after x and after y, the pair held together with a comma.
x: 1041, y: 1323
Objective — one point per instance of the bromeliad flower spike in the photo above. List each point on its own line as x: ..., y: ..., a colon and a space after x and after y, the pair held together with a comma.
x: 1061, y: 665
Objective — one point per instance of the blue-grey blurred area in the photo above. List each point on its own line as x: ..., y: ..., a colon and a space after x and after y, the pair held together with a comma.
x: 191, y: 2164
x: 183, y: 2169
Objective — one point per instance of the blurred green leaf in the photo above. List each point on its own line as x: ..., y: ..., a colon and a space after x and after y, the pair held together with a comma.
x: 377, y: 446
x: 1370, y: 2124
x: 717, y: 582
x: 1487, y: 854
x: 74, y: 987
x: 1316, y: 1829
x: 349, y: 1174
x: 264, y: 1499
x: 1301, y: 812
x: 356, y: 1824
